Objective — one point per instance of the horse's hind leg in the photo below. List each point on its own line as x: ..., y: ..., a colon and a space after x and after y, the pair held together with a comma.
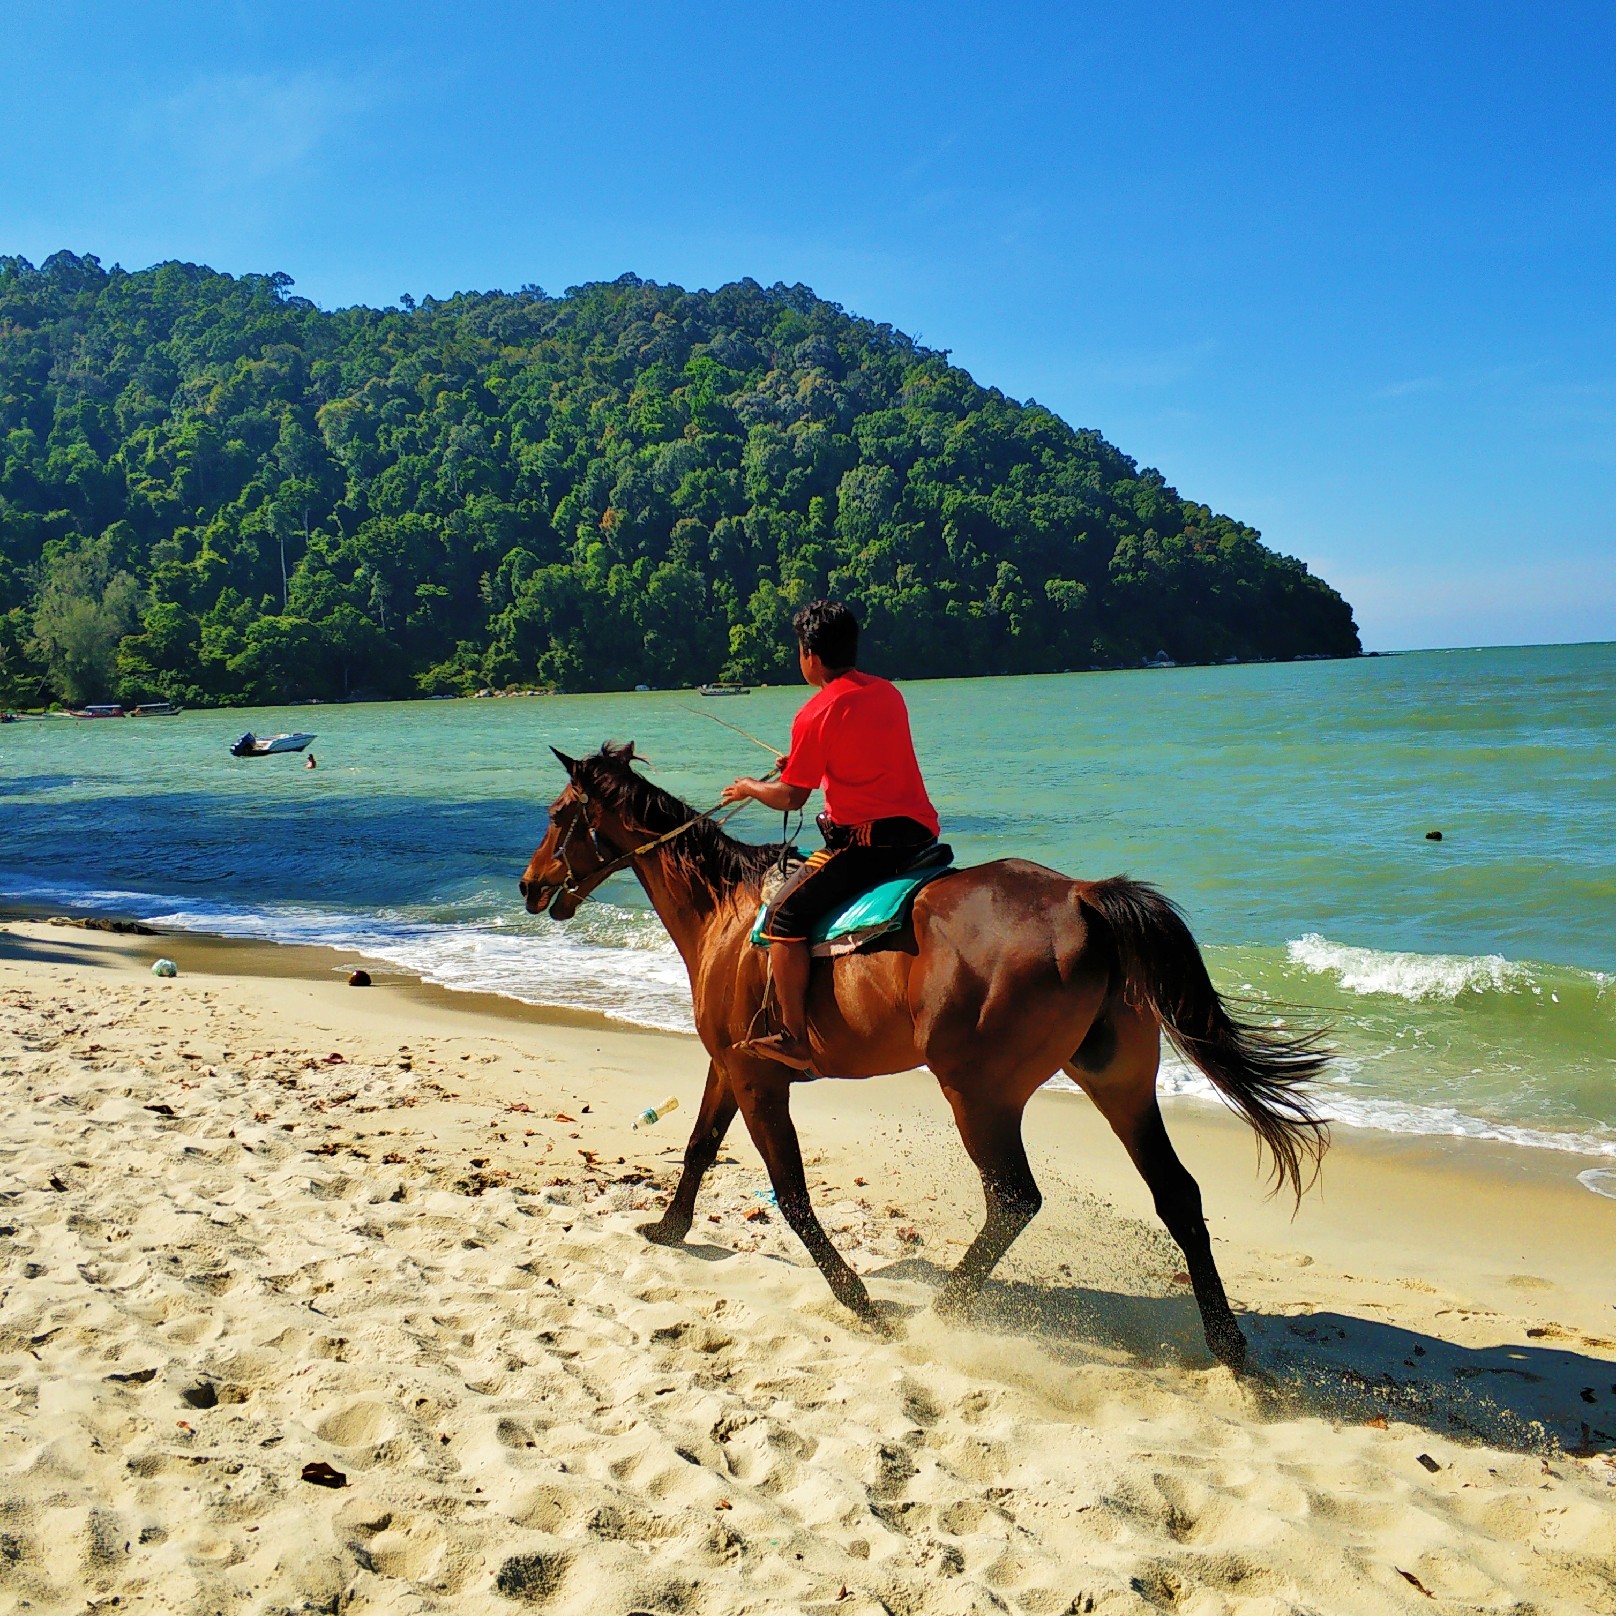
x: 712, y: 1123
x: 992, y: 1137
x: 1124, y: 1090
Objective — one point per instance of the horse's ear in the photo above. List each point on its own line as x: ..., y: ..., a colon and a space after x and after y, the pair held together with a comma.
x: 569, y: 764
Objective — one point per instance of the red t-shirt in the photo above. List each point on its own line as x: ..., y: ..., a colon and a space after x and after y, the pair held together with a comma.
x: 852, y: 737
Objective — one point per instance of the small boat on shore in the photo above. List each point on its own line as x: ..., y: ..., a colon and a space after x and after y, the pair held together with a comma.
x: 155, y: 709
x: 721, y: 689
x: 251, y: 746
x: 98, y: 710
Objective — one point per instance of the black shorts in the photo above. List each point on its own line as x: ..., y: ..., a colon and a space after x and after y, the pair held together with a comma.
x: 838, y: 873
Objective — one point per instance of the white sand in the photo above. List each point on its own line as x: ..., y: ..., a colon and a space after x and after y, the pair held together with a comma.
x: 419, y: 1266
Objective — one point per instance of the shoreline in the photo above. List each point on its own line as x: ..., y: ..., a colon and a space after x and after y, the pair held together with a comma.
x: 1486, y: 1168
x: 252, y: 1220
x: 273, y: 957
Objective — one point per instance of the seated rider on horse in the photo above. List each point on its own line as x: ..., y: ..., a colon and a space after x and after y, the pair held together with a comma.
x: 851, y: 738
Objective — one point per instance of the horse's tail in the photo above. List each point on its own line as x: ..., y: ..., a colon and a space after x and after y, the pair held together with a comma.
x: 1259, y: 1071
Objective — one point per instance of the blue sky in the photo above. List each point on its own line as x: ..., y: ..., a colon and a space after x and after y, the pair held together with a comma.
x: 1345, y: 272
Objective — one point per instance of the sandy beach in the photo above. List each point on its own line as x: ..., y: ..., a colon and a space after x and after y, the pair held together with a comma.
x: 253, y: 1221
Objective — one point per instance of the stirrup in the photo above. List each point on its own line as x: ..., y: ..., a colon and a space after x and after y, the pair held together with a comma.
x: 781, y: 1047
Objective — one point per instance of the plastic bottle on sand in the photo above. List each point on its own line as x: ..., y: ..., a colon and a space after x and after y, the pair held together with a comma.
x: 655, y: 1113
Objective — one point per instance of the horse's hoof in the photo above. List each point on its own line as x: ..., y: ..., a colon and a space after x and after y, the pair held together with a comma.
x: 1228, y: 1345
x: 661, y: 1233
x: 869, y: 1315
x: 857, y: 1301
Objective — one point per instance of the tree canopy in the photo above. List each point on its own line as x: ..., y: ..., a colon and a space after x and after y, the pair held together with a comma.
x: 213, y: 491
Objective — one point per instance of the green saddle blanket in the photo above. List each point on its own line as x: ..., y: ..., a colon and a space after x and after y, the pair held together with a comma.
x: 862, y: 919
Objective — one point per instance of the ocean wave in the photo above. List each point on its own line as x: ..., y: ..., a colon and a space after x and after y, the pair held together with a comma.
x: 1178, y: 1080
x: 612, y: 960
x: 613, y: 963
x: 619, y: 962
x: 1414, y: 977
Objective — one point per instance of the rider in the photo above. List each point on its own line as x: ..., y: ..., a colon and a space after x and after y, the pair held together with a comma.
x: 852, y: 739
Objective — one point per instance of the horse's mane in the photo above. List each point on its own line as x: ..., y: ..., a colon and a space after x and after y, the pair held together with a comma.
x: 703, y: 855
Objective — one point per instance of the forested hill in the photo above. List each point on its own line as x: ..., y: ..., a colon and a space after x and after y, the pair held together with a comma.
x: 214, y: 491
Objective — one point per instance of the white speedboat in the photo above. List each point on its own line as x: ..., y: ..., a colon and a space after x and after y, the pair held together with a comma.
x: 251, y: 745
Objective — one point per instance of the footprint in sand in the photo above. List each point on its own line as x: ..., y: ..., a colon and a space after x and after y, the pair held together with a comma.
x: 360, y: 1427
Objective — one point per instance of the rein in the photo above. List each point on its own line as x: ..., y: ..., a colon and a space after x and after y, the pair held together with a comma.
x: 583, y: 887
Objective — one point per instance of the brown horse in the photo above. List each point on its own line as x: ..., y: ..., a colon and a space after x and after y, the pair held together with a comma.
x: 1006, y: 974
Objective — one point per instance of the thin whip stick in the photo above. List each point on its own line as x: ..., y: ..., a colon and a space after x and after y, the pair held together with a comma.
x: 773, y: 751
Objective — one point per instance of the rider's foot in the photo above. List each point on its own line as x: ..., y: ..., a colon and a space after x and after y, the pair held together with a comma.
x: 782, y: 1047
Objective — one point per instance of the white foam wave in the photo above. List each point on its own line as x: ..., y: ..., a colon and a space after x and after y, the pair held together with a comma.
x: 614, y: 964
x: 1413, y: 977
x: 619, y: 962
x: 1180, y: 1081
x: 615, y: 961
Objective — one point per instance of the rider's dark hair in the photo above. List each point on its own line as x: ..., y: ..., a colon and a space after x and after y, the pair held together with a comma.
x: 828, y: 630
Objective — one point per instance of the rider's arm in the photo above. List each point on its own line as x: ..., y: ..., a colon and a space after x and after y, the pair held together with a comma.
x: 775, y: 794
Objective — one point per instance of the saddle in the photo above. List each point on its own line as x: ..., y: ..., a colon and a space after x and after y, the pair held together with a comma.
x: 873, y: 913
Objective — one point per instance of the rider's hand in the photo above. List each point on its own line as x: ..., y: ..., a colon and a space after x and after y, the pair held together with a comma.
x: 738, y: 790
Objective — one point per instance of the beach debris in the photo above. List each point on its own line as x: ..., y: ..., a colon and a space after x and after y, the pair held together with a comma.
x: 162, y: 1109
x: 1413, y: 1581
x: 561, y: 1116
x: 320, y: 1474
x: 653, y: 1114
x: 336, y: 1059
x: 359, y: 978
x: 134, y: 1377
x: 1430, y: 836
x: 1429, y: 1463
x: 757, y: 1215
x: 164, y: 967
x: 102, y: 923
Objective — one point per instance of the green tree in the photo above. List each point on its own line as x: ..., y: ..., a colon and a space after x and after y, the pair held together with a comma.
x: 83, y: 607
x: 627, y: 483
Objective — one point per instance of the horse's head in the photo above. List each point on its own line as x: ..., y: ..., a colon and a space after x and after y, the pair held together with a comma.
x: 582, y: 845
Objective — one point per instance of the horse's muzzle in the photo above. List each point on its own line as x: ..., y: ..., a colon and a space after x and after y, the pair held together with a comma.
x: 537, y: 896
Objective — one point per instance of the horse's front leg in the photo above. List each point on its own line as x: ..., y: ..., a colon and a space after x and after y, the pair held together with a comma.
x: 991, y: 1132
x: 764, y: 1093
x: 712, y: 1123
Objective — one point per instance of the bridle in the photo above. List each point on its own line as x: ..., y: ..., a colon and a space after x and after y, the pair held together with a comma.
x: 579, y: 887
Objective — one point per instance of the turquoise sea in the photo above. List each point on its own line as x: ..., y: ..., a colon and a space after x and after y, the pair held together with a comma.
x: 1471, y: 982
